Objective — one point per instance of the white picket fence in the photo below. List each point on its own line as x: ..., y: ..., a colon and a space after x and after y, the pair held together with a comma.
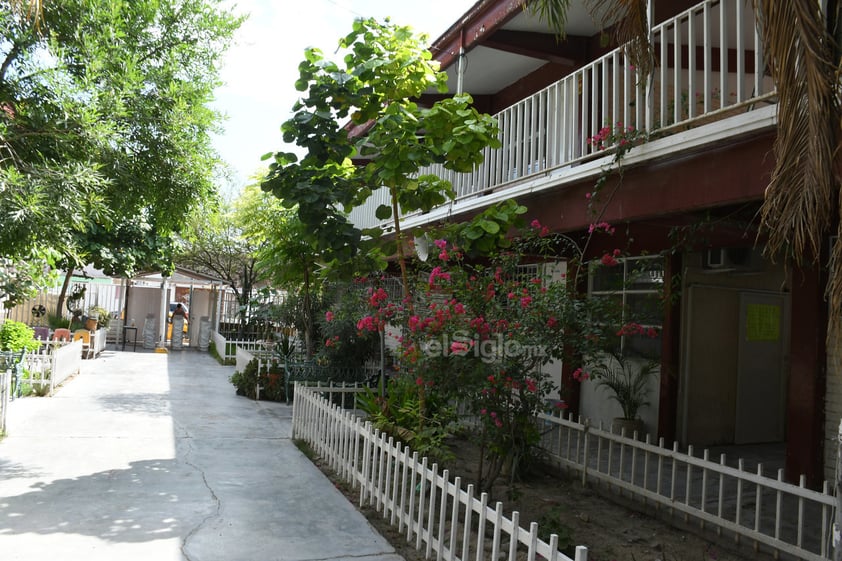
x: 434, y: 512
x: 227, y: 348
x: 733, y: 497
x: 56, y: 361
x: 771, y: 514
x: 67, y: 361
x: 5, y: 391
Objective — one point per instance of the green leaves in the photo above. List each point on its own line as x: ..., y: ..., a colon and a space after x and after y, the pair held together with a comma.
x: 487, y: 232
x: 109, y: 123
x: 383, y: 212
x: 385, y: 70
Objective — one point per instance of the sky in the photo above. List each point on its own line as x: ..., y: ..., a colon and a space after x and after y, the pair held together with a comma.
x: 261, y: 68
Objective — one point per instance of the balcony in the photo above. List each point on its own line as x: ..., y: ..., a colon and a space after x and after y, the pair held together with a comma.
x: 708, y: 85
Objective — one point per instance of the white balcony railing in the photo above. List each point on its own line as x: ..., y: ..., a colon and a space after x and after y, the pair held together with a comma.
x: 708, y: 66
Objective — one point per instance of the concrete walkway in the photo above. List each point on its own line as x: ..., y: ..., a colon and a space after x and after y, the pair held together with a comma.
x: 152, y: 457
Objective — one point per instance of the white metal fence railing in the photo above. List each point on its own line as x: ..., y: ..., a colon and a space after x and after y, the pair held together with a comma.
x: 434, y: 512
x: 765, y: 511
x: 708, y: 64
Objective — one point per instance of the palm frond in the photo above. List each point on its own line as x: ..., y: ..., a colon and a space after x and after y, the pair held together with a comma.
x: 800, y: 201
x: 630, y: 29
x: 626, y: 380
x: 553, y: 12
x: 30, y: 9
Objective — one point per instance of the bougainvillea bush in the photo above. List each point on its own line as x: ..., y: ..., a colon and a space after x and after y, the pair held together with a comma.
x: 478, y: 334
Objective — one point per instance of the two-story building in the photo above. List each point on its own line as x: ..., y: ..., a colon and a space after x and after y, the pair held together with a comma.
x: 742, y: 337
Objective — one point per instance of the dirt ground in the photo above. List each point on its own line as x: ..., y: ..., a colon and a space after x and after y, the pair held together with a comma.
x: 580, y: 516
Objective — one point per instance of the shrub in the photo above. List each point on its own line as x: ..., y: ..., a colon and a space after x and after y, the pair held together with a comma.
x: 57, y: 322
x: 15, y: 336
x: 271, y: 382
x: 423, y: 423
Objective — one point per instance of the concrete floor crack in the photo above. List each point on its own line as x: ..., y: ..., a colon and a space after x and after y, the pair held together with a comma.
x: 188, y: 441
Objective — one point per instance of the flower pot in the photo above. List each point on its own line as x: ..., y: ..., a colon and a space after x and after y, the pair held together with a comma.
x: 627, y: 427
x: 91, y: 324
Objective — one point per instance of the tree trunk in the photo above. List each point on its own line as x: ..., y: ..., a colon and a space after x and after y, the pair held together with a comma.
x: 308, y: 315
x: 399, y: 239
x: 63, y: 294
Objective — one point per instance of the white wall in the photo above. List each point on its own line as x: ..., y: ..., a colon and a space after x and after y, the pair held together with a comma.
x: 596, y: 405
x: 142, y: 302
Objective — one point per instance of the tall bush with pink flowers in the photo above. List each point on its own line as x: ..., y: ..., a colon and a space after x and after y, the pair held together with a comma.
x: 480, y: 334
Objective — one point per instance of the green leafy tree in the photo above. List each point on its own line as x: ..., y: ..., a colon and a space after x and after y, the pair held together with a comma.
x: 104, y: 124
x: 282, y: 250
x: 366, y: 108
x: 216, y: 246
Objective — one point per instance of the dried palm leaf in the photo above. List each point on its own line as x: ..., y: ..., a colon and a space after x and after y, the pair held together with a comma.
x: 834, y: 283
x: 801, y: 199
x: 31, y: 10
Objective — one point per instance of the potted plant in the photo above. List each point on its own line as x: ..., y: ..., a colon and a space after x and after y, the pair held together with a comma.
x: 100, y: 316
x: 628, y: 382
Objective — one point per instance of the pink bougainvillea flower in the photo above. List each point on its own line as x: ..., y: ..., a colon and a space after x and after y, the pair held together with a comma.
x: 328, y: 316
x: 458, y: 347
x: 535, y: 224
x: 414, y: 322
x: 367, y: 323
x: 601, y: 227
x: 441, y: 244
x: 580, y: 375
x: 608, y: 260
x: 525, y: 301
x: 437, y: 274
x: 552, y: 322
x: 631, y: 328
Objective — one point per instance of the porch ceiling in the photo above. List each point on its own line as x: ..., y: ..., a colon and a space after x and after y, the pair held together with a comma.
x: 511, y: 41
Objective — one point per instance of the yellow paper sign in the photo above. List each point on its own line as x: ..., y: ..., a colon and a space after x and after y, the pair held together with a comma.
x: 763, y: 322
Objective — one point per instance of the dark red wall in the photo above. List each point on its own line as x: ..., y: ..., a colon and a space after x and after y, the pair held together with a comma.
x: 718, y: 177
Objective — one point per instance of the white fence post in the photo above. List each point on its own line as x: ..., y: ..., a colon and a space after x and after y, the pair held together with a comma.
x: 5, y: 388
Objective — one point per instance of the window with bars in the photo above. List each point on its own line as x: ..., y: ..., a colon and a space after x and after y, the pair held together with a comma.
x: 636, y: 284
x: 548, y: 272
